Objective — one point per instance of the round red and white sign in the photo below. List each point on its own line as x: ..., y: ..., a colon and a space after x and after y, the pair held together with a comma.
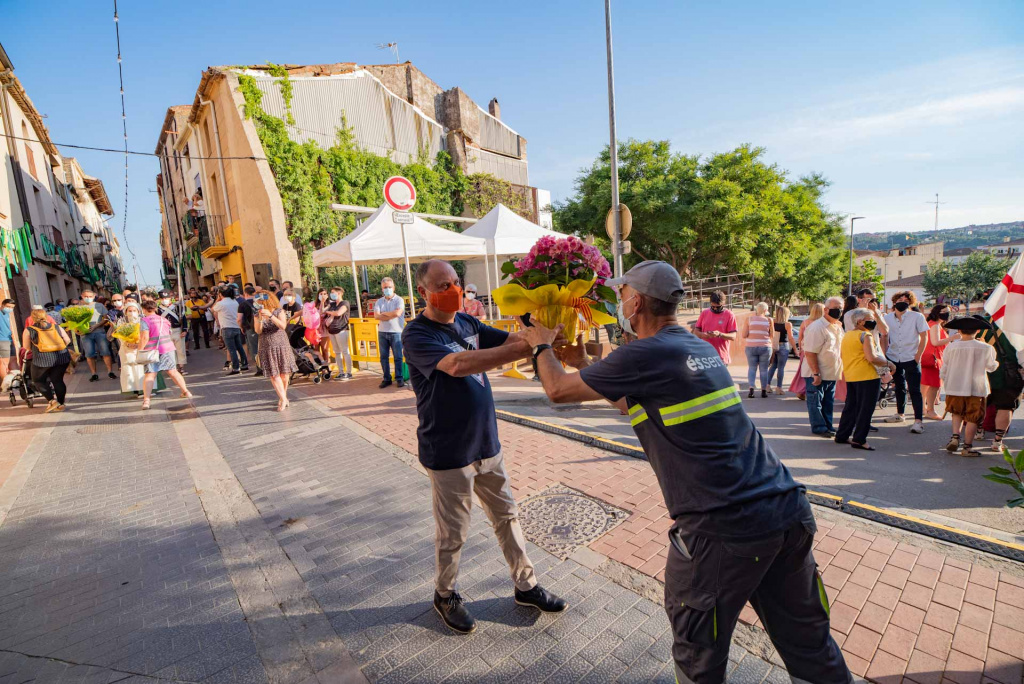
x: 399, y: 193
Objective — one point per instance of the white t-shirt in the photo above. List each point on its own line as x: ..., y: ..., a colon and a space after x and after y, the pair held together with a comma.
x: 226, y: 311
x: 965, y: 368
x: 826, y: 340
x: 384, y: 305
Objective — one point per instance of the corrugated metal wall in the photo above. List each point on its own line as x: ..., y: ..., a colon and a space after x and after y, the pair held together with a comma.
x: 382, y: 123
x: 496, y: 136
x: 512, y: 170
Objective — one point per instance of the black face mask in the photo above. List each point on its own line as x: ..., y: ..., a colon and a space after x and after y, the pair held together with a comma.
x: 717, y: 309
x: 870, y: 325
x: 901, y: 306
x: 835, y: 313
x: 943, y: 316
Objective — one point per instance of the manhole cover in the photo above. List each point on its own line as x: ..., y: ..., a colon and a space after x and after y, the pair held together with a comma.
x: 99, y: 429
x: 559, y: 519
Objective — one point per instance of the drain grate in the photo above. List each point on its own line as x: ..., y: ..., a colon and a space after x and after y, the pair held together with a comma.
x: 560, y: 519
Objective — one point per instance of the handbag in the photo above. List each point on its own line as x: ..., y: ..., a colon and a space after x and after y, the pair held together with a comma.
x: 142, y: 357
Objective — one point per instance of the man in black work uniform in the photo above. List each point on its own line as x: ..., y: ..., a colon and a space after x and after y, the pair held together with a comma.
x: 743, y: 528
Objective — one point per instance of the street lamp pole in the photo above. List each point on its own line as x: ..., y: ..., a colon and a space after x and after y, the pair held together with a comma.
x: 855, y: 218
x: 613, y: 148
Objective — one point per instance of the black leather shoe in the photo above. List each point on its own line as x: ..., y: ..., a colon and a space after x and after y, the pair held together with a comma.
x: 541, y: 598
x: 383, y: 384
x: 454, y: 614
x: 401, y: 382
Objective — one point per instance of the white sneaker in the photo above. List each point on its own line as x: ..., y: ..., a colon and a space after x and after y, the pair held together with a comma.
x: 896, y: 419
x: 917, y: 429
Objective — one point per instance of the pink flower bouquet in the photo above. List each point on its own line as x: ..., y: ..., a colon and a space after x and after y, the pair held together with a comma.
x: 561, y: 280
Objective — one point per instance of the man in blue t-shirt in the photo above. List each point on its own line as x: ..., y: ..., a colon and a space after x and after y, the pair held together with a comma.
x: 6, y: 336
x: 449, y: 354
x: 742, y: 527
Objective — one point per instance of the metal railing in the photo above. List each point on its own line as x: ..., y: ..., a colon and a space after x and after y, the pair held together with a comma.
x: 207, y: 228
x: 738, y: 289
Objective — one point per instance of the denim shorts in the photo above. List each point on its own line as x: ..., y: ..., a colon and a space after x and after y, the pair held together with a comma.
x: 95, y: 344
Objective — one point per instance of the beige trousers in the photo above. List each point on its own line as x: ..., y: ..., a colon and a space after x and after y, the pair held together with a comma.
x: 453, y: 502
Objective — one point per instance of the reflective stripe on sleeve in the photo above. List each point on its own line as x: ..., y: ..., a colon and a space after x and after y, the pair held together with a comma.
x: 701, y: 406
x: 637, y: 415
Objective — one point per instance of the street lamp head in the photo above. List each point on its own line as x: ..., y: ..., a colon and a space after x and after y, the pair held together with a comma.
x: 856, y: 218
x: 86, y: 234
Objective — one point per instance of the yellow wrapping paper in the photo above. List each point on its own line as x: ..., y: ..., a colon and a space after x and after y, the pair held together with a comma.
x: 553, y: 304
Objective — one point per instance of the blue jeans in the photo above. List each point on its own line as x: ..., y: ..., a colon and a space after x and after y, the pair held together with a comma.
x: 757, y: 360
x: 235, y: 343
x: 95, y: 344
x: 390, y: 341
x: 778, y: 365
x: 820, y: 402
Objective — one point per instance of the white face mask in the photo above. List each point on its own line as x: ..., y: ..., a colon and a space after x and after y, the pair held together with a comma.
x: 388, y: 291
x: 627, y: 326
x: 471, y: 296
x: 118, y: 304
x: 88, y: 300
x: 166, y: 301
x: 287, y: 300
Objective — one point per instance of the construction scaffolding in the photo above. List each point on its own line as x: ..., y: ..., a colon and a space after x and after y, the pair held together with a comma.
x: 738, y: 289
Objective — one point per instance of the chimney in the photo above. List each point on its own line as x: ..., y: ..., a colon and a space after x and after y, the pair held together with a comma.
x: 494, y: 109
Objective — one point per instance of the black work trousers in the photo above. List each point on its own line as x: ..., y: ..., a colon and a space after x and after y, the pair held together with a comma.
x: 907, y: 377
x: 861, y: 399
x: 202, y: 324
x: 707, y: 583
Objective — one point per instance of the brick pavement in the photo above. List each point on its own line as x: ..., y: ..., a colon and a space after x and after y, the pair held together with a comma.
x: 902, y: 610
x: 108, y: 568
x: 356, y: 523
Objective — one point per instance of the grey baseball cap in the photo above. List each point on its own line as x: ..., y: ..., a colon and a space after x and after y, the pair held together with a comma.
x: 656, y: 279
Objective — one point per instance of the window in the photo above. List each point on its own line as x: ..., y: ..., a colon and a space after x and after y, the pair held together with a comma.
x: 878, y: 271
x: 924, y: 268
x: 30, y: 158
x: 899, y: 275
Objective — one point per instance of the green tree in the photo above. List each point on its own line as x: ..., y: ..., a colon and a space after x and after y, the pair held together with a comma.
x: 864, y: 275
x: 727, y: 213
x: 980, y: 271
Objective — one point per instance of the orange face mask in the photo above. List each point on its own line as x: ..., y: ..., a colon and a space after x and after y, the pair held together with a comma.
x: 448, y: 301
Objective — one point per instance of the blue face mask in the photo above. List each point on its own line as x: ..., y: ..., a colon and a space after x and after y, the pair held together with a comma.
x: 333, y: 296
x: 388, y: 291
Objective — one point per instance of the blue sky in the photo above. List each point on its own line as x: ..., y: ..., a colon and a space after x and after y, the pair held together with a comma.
x: 893, y: 101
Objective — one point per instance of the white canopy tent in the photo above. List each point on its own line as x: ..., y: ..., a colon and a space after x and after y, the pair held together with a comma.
x: 506, y: 233
x: 379, y: 240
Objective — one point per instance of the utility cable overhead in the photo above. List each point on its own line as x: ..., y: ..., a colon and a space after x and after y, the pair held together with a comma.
x: 124, y: 129
x: 119, y: 151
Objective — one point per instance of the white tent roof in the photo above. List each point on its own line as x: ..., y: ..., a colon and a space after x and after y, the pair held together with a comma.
x: 507, y: 232
x: 379, y: 241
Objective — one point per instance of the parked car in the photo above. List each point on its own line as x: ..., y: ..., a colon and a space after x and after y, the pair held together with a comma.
x: 794, y: 349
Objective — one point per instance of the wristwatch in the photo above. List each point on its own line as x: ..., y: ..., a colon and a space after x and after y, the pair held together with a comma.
x: 539, y: 348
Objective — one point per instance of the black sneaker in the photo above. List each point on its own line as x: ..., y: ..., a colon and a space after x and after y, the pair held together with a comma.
x: 245, y: 369
x: 453, y: 612
x: 751, y: 394
x: 235, y: 372
x: 401, y: 382
x: 258, y: 373
x: 227, y: 364
x: 111, y: 375
x: 764, y: 394
x: 94, y: 378
x: 383, y: 384
x: 828, y: 434
x: 542, y: 599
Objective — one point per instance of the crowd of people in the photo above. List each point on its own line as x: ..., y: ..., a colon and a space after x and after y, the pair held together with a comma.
x: 853, y: 350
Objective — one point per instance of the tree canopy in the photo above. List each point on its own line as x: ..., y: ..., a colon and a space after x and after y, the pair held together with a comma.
x: 968, y: 279
x: 727, y: 213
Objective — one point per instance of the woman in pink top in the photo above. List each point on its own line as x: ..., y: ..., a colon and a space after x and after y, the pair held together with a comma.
x: 757, y: 331
x: 155, y: 333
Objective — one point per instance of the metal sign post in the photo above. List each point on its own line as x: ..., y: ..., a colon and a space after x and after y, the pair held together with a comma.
x: 400, y: 194
x: 613, y: 148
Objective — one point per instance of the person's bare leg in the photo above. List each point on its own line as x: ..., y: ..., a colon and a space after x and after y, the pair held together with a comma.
x: 107, y: 362
x: 1003, y: 418
x: 958, y: 422
x: 278, y: 385
x: 3, y: 368
x: 969, y: 431
x: 930, y: 395
x: 285, y: 380
x: 179, y: 380
x: 147, y: 388
x: 92, y: 364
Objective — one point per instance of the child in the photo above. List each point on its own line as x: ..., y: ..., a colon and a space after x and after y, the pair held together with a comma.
x: 965, y: 368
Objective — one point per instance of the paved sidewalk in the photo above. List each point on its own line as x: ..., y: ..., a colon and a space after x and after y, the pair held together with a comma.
x: 230, y: 543
x: 904, y: 606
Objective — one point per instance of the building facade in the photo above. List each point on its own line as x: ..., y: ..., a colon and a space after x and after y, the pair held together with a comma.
x: 210, y: 147
x: 54, y: 242
x: 901, y: 262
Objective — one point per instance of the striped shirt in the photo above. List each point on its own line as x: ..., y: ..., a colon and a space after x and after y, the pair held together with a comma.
x: 759, y: 331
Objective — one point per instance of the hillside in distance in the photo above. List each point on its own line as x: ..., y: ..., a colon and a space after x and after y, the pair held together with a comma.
x: 965, y: 236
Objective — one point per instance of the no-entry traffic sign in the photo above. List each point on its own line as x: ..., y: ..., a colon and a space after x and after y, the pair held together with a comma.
x: 399, y: 193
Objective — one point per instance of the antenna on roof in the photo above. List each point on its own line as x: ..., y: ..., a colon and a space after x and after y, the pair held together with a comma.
x: 936, y: 203
x: 390, y: 46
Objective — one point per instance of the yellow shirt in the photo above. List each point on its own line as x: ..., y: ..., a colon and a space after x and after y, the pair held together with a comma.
x: 192, y: 304
x: 856, y: 366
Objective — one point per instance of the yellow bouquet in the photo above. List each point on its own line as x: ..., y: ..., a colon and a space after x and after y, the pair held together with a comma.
x: 561, y: 280
x: 127, y: 332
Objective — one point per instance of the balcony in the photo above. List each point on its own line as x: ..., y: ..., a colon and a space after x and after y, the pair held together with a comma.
x: 51, y: 243
x: 211, y: 236
x: 170, y: 272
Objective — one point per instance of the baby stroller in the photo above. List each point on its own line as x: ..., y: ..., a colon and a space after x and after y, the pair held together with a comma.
x: 306, y: 357
x: 886, y: 393
x: 18, y: 383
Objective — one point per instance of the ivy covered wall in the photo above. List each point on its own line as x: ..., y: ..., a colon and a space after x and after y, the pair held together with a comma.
x: 310, y: 178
